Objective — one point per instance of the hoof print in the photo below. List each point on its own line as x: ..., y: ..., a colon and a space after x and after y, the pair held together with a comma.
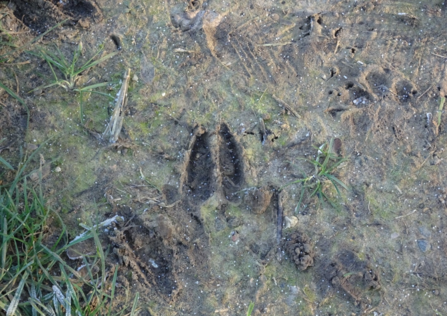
x: 353, y: 276
x: 231, y: 167
x: 147, y: 259
x: 199, y: 175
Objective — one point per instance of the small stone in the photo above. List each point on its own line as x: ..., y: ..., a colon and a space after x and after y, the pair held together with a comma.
x: 31, y: 147
x: 394, y: 235
x: 58, y: 169
x: 423, y: 245
x: 135, y: 78
x: 291, y: 221
x: 424, y: 231
x: 361, y: 100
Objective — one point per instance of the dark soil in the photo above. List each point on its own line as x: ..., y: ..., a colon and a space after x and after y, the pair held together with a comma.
x: 41, y: 15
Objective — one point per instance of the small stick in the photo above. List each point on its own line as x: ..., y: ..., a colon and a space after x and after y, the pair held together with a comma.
x: 405, y: 215
x: 12, y: 64
x: 275, y: 44
x: 116, y: 121
x: 288, y: 107
x: 439, y: 55
x: 279, y: 219
x: 181, y: 50
x: 262, y: 130
x: 424, y: 92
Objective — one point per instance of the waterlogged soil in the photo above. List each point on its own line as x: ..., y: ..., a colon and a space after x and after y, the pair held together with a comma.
x: 227, y: 101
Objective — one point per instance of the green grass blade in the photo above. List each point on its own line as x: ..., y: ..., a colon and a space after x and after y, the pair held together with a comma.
x: 332, y: 178
x: 94, y: 63
x: 93, y: 86
x: 293, y: 182
x: 335, y: 165
x: 18, y: 274
x: 70, y: 288
x: 53, y: 60
x: 11, y: 93
x: 15, y: 96
x: 60, y: 260
x: 103, y: 94
x: 68, y: 303
x: 318, y: 188
x: 134, y: 306
x: 335, y: 186
x: 7, y: 165
x: 297, y: 208
x: 41, y: 308
x: 332, y: 203
x: 4, y: 242
x: 76, y: 55
x: 112, y: 294
x: 19, y: 173
x: 250, y: 308
x: 441, y: 107
x: 15, y: 301
x: 54, y: 73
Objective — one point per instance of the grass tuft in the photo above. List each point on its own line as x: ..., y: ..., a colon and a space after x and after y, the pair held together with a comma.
x: 70, y: 69
x: 35, y: 278
x: 314, y: 184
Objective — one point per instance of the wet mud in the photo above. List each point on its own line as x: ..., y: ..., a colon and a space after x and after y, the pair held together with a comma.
x: 228, y: 110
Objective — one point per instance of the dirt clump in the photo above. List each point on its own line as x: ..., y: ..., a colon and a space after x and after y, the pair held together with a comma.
x: 300, y: 250
x: 257, y: 200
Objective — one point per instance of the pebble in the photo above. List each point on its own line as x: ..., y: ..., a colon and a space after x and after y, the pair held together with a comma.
x: 423, y: 245
x: 424, y: 231
x: 290, y: 221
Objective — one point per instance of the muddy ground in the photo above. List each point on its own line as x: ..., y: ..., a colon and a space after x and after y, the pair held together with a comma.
x: 226, y: 101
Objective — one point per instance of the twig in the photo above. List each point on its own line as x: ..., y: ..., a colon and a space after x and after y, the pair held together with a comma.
x: 113, y: 130
x: 279, y: 219
x: 17, y: 83
x: 288, y: 107
x: 439, y: 55
x: 405, y: 214
x: 181, y: 50
x: 275, y: 44
x: 12, y: 64
x: 424, y: 92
